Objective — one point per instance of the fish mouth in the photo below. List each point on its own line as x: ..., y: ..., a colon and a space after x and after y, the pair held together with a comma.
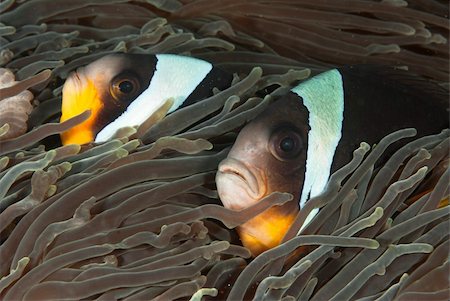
x: 74, y: 81
x: 77, y: 77
x: 247, y: 176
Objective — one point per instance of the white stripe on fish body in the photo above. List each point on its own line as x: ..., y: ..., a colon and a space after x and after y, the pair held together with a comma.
x: 323, y: 96
x: 175, y: 77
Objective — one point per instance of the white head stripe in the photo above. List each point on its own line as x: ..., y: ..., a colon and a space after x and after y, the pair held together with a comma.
x: 323, y: 96
x: 175, y: 77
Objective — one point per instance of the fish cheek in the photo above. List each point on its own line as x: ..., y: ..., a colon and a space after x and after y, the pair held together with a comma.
x: 288, y: 176
x: 110, y: 112
x: 287, y: 164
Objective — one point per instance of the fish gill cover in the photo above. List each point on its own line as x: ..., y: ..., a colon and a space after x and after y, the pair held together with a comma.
x: 138, y: 218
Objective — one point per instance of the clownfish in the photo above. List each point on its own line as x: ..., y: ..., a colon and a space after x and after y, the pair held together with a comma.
x: 126, y: 89
x: 303, y: 137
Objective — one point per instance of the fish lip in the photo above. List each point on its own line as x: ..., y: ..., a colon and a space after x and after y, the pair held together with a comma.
x: 74, y: 80
x: 77, y: 76
x: 241, y: 170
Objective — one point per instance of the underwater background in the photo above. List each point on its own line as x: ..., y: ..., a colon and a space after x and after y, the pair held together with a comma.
x: 138, y: 217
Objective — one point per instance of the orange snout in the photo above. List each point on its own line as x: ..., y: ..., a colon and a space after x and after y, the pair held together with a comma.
x: 78, y: 98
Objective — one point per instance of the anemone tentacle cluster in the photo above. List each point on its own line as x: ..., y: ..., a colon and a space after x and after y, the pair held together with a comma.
x: 138, y: 217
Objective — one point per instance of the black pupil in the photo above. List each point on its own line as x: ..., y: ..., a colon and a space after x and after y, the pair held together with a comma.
x: 287, y: 144
x: 126, y: 87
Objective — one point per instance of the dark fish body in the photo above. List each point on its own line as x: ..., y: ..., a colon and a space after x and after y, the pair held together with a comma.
x: 380, y: 100
x: 126, y: 89
x: 310, y: 132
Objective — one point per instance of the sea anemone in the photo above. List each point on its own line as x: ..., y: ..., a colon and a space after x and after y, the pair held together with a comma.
x: 138, y: 217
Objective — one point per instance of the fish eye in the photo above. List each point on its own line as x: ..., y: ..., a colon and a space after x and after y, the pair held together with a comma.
x: 285, y: 144
x: 124, y: 87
